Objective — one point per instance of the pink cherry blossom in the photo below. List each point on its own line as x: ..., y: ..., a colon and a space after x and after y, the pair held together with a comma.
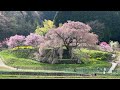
x: 34, y: 39
x: 16, y: 40
x: 105, y: 47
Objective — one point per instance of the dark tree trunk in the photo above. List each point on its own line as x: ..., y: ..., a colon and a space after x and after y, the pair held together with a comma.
x: 69, y: 52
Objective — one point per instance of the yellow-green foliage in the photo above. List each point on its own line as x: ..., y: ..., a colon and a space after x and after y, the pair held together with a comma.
x: 47, y: 25
x: 92, y: 55
x: 23, y: 51
x: 22, y: 47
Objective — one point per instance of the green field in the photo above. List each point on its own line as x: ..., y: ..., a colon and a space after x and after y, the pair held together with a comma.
x: 8, y: 76
x: 51, y: 77
x: 50, y: 74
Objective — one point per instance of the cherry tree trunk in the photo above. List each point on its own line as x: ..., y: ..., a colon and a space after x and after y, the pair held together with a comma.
x: 69, y: 52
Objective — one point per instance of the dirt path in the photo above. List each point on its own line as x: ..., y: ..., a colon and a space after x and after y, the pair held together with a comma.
x: 114, y: 64
x: 2, y: 65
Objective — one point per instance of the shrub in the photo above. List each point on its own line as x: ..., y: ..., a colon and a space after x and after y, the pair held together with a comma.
x: 87, y: 56
x: 23, y: 51
x: 100, y: 55
x: 105, y: 47
x: 82, y: 56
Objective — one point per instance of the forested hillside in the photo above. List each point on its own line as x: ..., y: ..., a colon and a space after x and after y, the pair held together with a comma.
x: 21, y: 22
x: 104, y: 23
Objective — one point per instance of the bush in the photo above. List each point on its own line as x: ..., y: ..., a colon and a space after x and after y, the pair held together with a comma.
x: 23, y: 51
x: 100, y: 55
x: 105, y: 47
x: 82, y: 56
x: 87, y: 56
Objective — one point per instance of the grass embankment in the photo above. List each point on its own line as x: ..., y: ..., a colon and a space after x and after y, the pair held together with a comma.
x: 22, y: 63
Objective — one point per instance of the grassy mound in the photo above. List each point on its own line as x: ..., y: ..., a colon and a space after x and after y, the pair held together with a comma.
x: 23, y: 63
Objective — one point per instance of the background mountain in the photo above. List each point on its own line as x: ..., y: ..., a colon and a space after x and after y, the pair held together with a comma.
x: 110, y: 20
x: 21, y: 22
x: 104, y: 23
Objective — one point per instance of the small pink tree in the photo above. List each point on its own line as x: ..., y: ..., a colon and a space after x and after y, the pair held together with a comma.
x: 71, y: 35
x: 16, y: 40
x: 33, y: 39
x: 105, y: 47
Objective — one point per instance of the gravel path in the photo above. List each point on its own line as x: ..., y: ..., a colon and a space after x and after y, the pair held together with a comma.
x: 5, y: 66
x: 113, y: 67
x: 1, y: 63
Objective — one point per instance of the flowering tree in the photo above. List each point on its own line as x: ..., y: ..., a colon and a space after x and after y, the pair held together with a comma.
x: 105, y: 47
x: 33, y: 39
x: 71, y: 34
x: 16, y: 40
x: 47, y: 25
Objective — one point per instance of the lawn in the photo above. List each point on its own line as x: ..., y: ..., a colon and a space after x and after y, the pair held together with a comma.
x: 23, y: 63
